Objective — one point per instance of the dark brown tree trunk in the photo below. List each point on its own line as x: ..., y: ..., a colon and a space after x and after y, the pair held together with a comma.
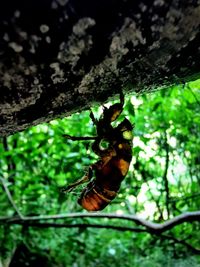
x: 62, y: 56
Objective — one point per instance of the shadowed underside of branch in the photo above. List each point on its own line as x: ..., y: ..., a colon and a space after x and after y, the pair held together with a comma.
x: 59, y: 57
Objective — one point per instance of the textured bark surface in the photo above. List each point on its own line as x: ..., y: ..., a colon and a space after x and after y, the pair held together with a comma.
x: 62, y: 56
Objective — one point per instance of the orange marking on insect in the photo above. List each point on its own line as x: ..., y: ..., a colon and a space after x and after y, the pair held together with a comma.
x: 123, y: 166
x: 113, y: 163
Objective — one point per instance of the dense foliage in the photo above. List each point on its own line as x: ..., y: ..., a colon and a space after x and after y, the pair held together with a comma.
x: 163, y: 181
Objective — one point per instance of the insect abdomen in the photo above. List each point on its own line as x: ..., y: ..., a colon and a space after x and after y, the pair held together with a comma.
x: 94, y: 198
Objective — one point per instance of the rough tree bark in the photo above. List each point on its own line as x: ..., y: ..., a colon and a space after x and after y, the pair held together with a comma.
x: 62, y: 56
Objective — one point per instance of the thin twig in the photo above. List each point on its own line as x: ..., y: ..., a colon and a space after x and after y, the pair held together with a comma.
x: 146, y: 174
x: 11, y: 199
x: 176, y: 199
x: 194, y: 95
x: 81, y: 225
x: 10, y: 162
x: 164, y: 178
x: 182, y: 242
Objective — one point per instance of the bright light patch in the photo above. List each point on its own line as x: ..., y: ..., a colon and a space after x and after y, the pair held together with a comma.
x: 142, y: 195
x: 143, y: 155
x: 54, y: 122
x: 131, y: 166
x: 138, y: 142
x: 188, y: 154
x: 155, y: 134
x: 152, y: 143
x: 136, y: 102
x: 149, y: 152
x: 161, y: 161
x: 50, y: 141
x: 131, y: 199
x: 154, y: 189
x: 119, y: 212
x: 43, y: 127
x: 172, y: 141
x: 149, y: 210
x: 112, y: 251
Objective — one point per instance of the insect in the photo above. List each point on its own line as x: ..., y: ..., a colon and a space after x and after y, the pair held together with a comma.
x: 114, y: 160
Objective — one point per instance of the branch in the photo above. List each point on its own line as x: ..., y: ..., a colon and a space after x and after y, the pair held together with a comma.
x: 156, y: 200
x: 194, y: 95
x: 182, y: 242
x: 146, y: 174
x: 79, y: 225
x: 192, y: 196
x: 151, y: 227
x: 166, y: 184
x: 100, y: 226
x: 10, y: 162
x: 10, y: 198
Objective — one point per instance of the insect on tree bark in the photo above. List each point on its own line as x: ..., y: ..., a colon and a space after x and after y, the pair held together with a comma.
x: 113, y: 165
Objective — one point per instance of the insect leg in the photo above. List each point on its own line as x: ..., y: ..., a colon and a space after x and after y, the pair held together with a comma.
x: 79, y: 138
x: 94, y: 120
x: 84, y: 179
x: 121, y: 98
